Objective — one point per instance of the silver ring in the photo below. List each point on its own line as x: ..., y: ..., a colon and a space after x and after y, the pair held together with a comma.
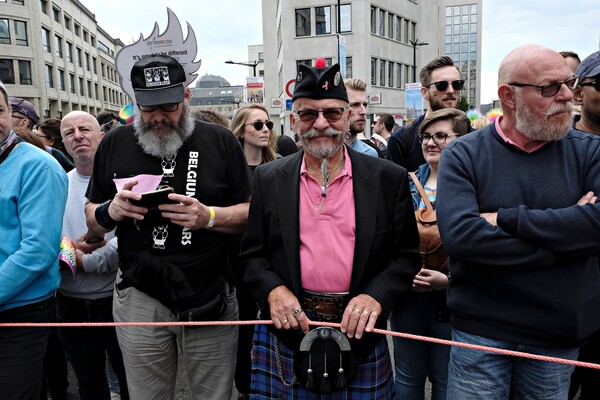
x: 297, y: 312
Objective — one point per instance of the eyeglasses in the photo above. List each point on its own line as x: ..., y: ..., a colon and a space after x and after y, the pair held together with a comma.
x: 438, y: 138
x: 550, y: 89
x: 171, y: 107
x: 594, y: 84
x: 443, y: 85
x: 258, y: 125
x: 330, y: 114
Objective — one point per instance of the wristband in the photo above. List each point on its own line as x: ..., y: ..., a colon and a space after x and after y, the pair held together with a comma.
x: 211, y: 220
x: 103, y: 217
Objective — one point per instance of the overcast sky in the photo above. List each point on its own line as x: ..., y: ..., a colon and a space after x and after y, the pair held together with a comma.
x: 225, y: 28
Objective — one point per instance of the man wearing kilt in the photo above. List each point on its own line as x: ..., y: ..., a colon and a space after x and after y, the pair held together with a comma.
x: 331, y: 237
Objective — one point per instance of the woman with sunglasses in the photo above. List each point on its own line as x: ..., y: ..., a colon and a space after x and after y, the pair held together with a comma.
x: 255, y: 132
x: 424, y: 310
x: 253, y: 129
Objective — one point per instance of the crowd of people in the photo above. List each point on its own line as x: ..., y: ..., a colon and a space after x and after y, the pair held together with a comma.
x: 484, y: 234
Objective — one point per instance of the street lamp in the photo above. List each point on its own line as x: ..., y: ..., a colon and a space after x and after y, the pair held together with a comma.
x: 415, y: 44
x: 252, y: 64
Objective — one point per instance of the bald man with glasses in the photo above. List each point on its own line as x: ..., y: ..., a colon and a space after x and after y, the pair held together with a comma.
x: 518, y: 217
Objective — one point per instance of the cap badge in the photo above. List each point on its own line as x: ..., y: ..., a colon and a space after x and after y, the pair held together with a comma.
x: 337, y: 78
x: 157, y: 76
x: 326, y: 85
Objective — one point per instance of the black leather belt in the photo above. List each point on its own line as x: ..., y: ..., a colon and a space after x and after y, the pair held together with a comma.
x: 324, y: 307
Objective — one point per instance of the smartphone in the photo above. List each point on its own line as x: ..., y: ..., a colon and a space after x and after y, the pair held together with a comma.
x: 93, y: 237
x: 154, y: 198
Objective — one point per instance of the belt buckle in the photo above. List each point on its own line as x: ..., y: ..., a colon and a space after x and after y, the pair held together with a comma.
x: 317, y: 312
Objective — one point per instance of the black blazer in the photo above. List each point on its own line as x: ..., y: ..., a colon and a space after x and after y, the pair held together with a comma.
x: 386, y: 256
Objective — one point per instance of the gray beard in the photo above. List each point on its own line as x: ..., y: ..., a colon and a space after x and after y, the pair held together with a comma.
x: 538, y: 127
x: 167, y: 144
x: 320, y: 150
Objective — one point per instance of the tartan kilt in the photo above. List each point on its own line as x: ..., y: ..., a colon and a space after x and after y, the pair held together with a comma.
x: 373, y: 380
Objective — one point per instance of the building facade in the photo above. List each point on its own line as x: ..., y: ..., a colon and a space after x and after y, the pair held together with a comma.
x: 54, y: 55
x: 384, y: 39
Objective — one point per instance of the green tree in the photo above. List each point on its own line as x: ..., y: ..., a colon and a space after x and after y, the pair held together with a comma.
x: 463, y: 104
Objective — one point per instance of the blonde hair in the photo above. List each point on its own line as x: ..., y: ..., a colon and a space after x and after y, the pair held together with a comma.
x: 238, y: 126
x: 480, y: 122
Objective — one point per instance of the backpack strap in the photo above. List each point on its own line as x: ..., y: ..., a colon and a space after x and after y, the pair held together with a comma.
x: 421, y: 191
x: 10, y: 148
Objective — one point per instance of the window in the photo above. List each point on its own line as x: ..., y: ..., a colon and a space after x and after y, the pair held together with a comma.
x: 305, y: 62
x: 25, y: 72
x: 348, y: 67
x: 373, y: 71
x: 398, y: 28
x: 4, y: 31
x: 61, y: 80
x: 89, y: 89
x: 87, y: 61
x: 103, y: 68
x: 85, y: 35
x: 303, y: 22
x: 78, y: 51
x: 382, y: 72
x: 346, y: 18
x: 46, y: 40
x: 261, y: 56
x: 398, y: 75
x: 56, y: 14
x: 390, y: 74
x: 44, y: 6
x: 102, y: 47
x: 96, y: 91
x: 58, y: 46
x: 7, y: 72
x: 391, y: 25
x: 69, y: 52
x: 19, y: 2
x: 407, y: 76
x: 381, y: 22
x: 67, y: 22
x: 76, y: 27
x: 81, y: 88
x: 95, y: 65
x: 21, y: 33
x: 373, y: 20
x: 93, y: 40
x: 322, y: 20
x: 72, y: 83
x: 48, y: 75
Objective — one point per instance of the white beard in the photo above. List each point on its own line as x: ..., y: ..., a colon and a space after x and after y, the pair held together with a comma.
x: 539, y: 127
x: 171, y: 139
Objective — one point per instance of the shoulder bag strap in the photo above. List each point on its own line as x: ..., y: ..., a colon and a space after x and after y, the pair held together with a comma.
x: 421, y: 191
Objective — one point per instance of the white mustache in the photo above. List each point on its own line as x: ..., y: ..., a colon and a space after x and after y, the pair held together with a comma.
x: 559, y: 108
x: 312, y: 133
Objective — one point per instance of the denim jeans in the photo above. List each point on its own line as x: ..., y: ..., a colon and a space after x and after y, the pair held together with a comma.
x: 416, y: 360
x: 87, y: 347
x: 22, y: 351
x: 475, y: 374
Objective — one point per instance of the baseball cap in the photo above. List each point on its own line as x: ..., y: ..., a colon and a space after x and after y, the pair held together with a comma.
x: 319, y: 83
x: 158, y: 79
x: 25, y: 108
x: 589, y: 67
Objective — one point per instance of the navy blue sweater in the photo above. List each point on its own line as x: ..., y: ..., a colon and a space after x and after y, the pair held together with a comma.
x: 535, y: 278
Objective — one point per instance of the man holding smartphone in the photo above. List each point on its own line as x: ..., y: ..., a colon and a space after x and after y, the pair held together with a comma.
x: 174, y: 260
x: 87, y: 294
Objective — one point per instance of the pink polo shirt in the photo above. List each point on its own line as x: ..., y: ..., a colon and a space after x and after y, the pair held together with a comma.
x: 327, y: 231
x: 509, y: 141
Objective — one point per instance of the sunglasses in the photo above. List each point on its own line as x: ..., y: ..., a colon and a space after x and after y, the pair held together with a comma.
x: 330, y: 114
x: 594, y: 84
x: 171, y: 107
x: 258, y: 125
x: 550, y: 89
x: 441, y: 86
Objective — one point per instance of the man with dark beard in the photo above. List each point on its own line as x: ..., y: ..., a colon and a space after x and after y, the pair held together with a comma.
x: 174, y: 261
x: 518, y: 217
x: 440, y: 86
x: 331, y: 237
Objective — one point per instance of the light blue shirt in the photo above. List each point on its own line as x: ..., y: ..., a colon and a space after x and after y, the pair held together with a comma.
x: 361, y: 147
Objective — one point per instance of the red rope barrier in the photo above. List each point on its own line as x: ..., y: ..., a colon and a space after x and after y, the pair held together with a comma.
x: 332, y: 325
